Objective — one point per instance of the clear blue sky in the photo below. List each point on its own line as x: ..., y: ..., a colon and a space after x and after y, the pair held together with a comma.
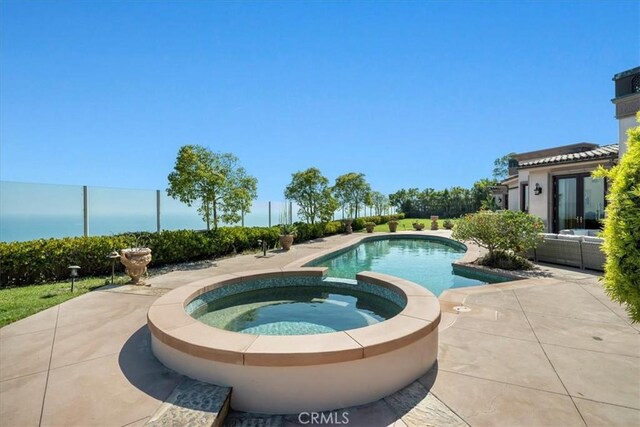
x: 412, y: 94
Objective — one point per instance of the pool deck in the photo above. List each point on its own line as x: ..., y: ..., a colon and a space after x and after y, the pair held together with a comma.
x: 549, y: 350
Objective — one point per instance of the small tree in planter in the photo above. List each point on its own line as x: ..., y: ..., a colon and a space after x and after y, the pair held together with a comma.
x: 393, y: 225
x: 369, y: 226
x: 505, y: 234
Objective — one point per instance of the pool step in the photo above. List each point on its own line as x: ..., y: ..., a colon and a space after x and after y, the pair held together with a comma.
x: 193, y: 403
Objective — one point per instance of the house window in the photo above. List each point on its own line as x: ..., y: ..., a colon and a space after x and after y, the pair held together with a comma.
x: 635, y: 84
x: 524, y: 197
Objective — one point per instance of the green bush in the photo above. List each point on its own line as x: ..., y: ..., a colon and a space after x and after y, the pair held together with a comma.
x: 358, y: 223
x: 46, y: 260
x: 501, y: 233
x: 622, y: 227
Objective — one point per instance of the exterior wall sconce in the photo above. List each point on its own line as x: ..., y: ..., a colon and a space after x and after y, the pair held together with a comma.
x: 537, y: 189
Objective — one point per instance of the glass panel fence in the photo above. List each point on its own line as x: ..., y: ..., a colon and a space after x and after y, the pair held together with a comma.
x: 34, y: 211
x: 118, y: 210
x: 175, y: 215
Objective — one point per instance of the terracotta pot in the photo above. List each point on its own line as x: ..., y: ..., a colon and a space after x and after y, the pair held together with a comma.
x: 393, y: 226
x: 286, y: 241
x: 135, y: 260
x: 418, y: 227
x: 370, y: 228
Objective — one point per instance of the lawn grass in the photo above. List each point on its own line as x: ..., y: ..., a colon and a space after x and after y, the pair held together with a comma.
x: 407, y: 224
x: 18, y: 303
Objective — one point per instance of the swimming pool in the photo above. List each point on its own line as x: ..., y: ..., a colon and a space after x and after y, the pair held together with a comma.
x: 425, y: 260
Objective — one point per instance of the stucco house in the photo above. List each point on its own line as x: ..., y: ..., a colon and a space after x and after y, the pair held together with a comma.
x: 555, y: 183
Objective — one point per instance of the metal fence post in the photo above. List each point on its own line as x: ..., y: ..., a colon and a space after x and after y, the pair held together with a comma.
x: 85, y: 209
x: 158, y: 210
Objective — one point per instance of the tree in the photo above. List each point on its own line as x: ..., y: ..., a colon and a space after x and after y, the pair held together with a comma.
x: 501, y: 166
x: 310, y: 190
x: 622, y: 227
x: 216, y: 180
x: 379, y: 202
x: 352, y: 190
x: 481, y: 194
x: 406, y: 201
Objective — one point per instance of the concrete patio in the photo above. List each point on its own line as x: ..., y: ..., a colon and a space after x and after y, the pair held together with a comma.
x: 551, y: 350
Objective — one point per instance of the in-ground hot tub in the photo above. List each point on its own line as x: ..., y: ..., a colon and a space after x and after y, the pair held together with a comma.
x: 298, y: 341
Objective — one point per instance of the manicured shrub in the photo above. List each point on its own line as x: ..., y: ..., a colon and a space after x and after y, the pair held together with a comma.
x: 46, y: 260
x: 622, y: 227
x: 334, y: 227
x: 358, y: 223
x: 504, y: 234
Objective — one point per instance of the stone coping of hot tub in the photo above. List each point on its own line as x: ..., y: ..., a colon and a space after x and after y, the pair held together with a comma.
x: 169, y: 323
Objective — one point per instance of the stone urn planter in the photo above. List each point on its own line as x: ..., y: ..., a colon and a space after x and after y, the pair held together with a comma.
x: 434, y: 222
x: 369, y: 226
x: 393, y: 226
x: 286, y: 241
x: 347, y: 226
x: 135, y: 261
x: 418, y: 226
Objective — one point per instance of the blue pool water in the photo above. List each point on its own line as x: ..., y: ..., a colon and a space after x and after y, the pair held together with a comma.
x: 423, y: 261
x: 296, y: 310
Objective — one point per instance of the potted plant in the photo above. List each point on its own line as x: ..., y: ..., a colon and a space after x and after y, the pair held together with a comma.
x: 287, y: 232
x: 135, y: 261
x: 448, y: 224
x: 418, y: 226
x: 369, y: 226
x: 347, y: 226
x: 393, y: 225
x: 434, y: 222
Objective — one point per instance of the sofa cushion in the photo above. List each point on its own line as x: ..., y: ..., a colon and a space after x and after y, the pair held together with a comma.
x: 570, y: 237
x: 548, y: 236
x: 589, y: 239
x: 566, y: 231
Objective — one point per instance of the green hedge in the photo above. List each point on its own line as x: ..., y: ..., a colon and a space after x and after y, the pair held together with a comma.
x: 46, y: 260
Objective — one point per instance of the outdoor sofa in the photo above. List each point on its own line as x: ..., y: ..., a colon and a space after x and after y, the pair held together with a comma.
x: 578, y: 251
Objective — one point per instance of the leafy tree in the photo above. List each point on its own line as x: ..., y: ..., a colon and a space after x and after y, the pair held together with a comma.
x: 406, y: 201
x: 622, y: 227
x: 310, y: 190
x: 352, y: 190
x: 379, y: 202
x: 481, y: 194
x: 501, y: 166
x: 215, y: 180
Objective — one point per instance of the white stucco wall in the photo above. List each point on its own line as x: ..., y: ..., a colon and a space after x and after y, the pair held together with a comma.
x: 624, y: 125
x: 540, y: 205
x: 514, y: 199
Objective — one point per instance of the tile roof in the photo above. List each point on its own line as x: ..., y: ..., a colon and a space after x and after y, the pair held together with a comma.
x: 605, y: 151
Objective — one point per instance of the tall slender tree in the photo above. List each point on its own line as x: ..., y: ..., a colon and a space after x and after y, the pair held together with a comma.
x: 310, y: 190
x: 352, y: 190
x: 222, y: 187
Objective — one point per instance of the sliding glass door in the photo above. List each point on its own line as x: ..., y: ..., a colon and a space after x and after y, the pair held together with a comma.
x: 579, y: 202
